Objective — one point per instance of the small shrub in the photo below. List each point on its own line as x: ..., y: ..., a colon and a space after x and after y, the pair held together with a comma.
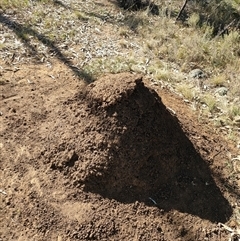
x: 186, y: 91
x: 210, y: 101
x: 163, y: 74
x: 234, y: 111
x: 193, y: 20
x: 219, y: 80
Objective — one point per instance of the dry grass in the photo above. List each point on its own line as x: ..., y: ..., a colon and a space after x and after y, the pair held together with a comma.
x: 139, y: 36
x: 105, y: 39
x: 5, y: 4
x: 186, y: 91
x: 219, y: 80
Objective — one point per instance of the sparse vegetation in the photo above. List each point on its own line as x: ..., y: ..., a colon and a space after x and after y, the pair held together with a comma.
x: 5, y: 4
x: 142, y: 42
x: 186, y: 91
x: 210, y: 102
x: 234, y: 111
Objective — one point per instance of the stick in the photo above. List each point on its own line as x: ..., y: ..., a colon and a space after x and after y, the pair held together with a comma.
x: 181, y: 10
x: 226, y: 28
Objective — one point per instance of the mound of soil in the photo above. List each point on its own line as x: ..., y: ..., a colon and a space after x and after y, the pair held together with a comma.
x: 127, y: 146
x: 109, y: 162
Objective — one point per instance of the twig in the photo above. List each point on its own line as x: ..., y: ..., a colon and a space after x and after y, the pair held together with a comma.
x: 181, y: 10
x: 226, y: 28
x: 153, y: 200
x: 234, y: 233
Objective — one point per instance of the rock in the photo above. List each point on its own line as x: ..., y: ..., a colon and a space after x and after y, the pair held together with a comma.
x: 222, y: 91
x: 197, y: 74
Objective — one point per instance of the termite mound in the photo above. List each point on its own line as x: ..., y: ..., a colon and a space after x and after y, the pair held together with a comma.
x: 117, y: 139
x: 134, y: 139
x: 140, y: 139
x: 127, y: 144
x: 122, y: 142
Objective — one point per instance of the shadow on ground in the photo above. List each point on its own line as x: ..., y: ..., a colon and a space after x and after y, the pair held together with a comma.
x: 148, y: 157
x: 22, y: 32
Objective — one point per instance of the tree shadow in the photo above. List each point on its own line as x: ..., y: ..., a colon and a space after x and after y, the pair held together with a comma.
x: 218, y: 14
x: 135, y: 5
x: 21, y: 31
x: 59, y: 3
x: 154, y: 161
x: 55, y: 2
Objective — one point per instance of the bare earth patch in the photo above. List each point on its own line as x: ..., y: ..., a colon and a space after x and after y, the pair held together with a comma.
x: 119, y: 159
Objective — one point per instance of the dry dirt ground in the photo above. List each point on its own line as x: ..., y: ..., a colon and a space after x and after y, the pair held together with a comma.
x: 117, y: 159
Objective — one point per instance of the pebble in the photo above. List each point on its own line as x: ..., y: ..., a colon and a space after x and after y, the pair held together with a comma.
x: 222, y: 91
x: 197, y: 74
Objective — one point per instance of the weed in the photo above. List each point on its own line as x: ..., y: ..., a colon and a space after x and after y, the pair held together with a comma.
x: 153, y: 68
x: 210, y: 101
x: 123, y: 32
x: 207, y: 31
x: 194, y: 19
x: 2, y: 46
x: 234, y: 110
x: 233, y: 41
x: 232, y: 136
x: 123, y: 43
x: 219, y: 80
x: 136, y: 20
x: 81, y: 15
x: 186, y: 91
x: 109, y: 65
x: 164, y: 74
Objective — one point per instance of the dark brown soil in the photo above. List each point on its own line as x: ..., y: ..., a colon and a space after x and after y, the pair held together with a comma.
x: 125, y: 145
x: 109, y: 161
